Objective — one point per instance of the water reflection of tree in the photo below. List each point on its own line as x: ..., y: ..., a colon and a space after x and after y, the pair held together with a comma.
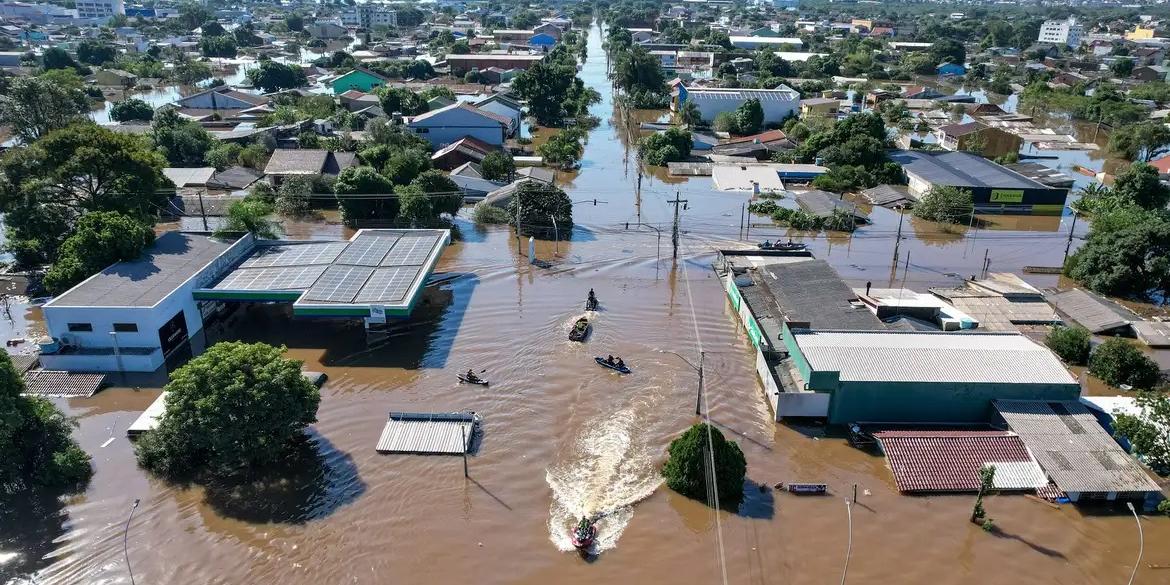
x: 933, y: 233
x: 30, y: 523
x: 313, y: 482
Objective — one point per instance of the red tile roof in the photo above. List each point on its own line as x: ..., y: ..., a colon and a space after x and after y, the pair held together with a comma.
x: 947, y: 461
x: 1162, y: 164
x: 762, y: 137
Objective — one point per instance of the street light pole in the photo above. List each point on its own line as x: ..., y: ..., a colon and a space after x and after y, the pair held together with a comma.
x: 1141, y: 542
x: 699, y: 396
x: 849, y: 546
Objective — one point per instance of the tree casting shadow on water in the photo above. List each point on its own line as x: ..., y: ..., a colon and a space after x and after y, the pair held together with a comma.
x: 315, y: 481
x: 1048, y: 552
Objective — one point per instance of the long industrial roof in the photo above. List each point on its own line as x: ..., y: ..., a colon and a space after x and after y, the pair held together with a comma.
x: 382, y: 268
x: 961, y: 169
x: 174, y: 258
x: 1073, y: 448
x: 899, y: 356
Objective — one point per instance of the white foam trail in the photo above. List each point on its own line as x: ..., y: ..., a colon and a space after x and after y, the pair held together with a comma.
x: 609, y: 469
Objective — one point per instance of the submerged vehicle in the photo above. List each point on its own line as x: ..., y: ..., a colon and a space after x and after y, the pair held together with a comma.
x: 584, y: 534
x: 580, y: 330
x: 618, y: 366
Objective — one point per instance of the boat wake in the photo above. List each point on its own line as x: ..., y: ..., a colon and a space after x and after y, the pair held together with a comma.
x: 604, y: 473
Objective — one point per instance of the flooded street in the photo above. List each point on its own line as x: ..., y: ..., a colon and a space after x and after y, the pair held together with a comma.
x: 563, y: 437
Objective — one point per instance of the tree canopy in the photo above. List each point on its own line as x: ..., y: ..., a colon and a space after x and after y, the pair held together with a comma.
x: 660, y: 148
x: 233, y: 409
x: 184, y: 142
x: 33, y: 107
x: 36, y: 449
x: 95, y: 52
x: 498, y: 165
x: 364, y: 180
x: 443, y: 193
x: 553, y: 90
x: 99, y: 240
x: 686, y: 472
x: 1071, y: 344
x: 945, y: 204
x: 271, y: 76
x: 132, y: 109
x: 84, y: 168
x: 539, y: 204
x: 1127, y: 253
x: 1146, y: 432
x: 250, y: 215
x: 563, y: 149
x: 1118, y: 362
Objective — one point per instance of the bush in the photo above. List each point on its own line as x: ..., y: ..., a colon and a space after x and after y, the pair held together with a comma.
x: 130, y: 110
x: 1118, y: 362
x: 765, y: 207
x: 292, y: 199
x: 486, y: 214
x: 945, y: 205
x: 1164, y: 507
x: 670, y: 146
x: 236, y: 408
x: 685, y: 473
x: 498, y: 166
x: 1071, y: 344
x: 539, y: 203
x: 1146, y: 431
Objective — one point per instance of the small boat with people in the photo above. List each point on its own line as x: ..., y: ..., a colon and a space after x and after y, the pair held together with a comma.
x: 471, y: 378
x: 580, y: 330
x: 613, y: 364
x: 788, y: 246
x: 584, y: 534
x: 591, y: 301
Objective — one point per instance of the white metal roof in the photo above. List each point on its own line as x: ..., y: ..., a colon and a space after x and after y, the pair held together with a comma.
x: 783, y: 93
x: 898, y: 356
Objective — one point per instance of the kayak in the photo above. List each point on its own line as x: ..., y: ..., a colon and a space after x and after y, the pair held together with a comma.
x: 601, y: 361
x: 463, y: 380
x: 785, y: 247
x: 583, y: 540
x: 580, y: 330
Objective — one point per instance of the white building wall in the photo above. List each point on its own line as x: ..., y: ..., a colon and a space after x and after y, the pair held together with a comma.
x: 99, y: 8
x: 1061, y: 32
x: 147, y: 319
x: 711, y: 105
x: 454, y: 124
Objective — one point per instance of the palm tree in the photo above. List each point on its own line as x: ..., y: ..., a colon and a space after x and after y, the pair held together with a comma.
x: 689, y: 114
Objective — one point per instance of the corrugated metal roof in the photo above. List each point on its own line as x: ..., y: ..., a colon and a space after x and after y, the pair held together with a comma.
x: 428, y: 433
x: 949, y: 461
x: 822, y: 204
x: 898, y: 356
x: 961, y: 169
x: 57, y: 383
x: 1090, y: 311
x: 1073, y: 448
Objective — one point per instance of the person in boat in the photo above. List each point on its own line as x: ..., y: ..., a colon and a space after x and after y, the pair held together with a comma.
x: 620, y: 364
x: 592, y: 296
x: 609, y: 360
x: 584, y: 525
x: 767, y: 244
x: 471, y: 377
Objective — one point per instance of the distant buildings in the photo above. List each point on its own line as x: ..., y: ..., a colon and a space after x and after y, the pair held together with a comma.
x: 1061, y: 32
x: 979, y: 138
x: 369, y: 16
x: 326, y: 30
x: 994, y: 188
x: 461, y: 64
x: 753, y: 43
x: 361, y: 79
x: 99, y: 9
x: 447, y: 125
x: 1140, y: 33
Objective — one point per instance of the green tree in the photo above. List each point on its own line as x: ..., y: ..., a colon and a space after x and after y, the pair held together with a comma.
x: 295, y: 22
x: 686, y: 468
x: 690, y: 114
x: 212, y: 29
x: 945, y: 204
x: 443, y: 193
x: 1071, y: 344
x: 236, y: 408
x: 189, y: 72
x: 33, y: 107
x: 223, y: 155
x: 184, y: 142
x: 246, y: 36
x: 1140, y: 142
x: 1122, y: 67
x: 250, y: 216
x: 401, y: 100
x: 1147, y: 433
x: 83, y: 168
x: 563, y: 149
x: 1127, y: 253
x: 131, y: 109
x: 271, y: 76
x: 749, y: 117
x: 554, y: 93
x: 404, y: 165
x: 539, y: 204
x: 224, y: 46
x: 292, y: 199
x: 100, y: 239
x: 414, y: 207
x: 36, y: 449
x: 57, y: 58
x: 672, y: 145
x: 947, y: 50
x: 64, y: 78
x: 192, y: 15
x: 95, y: 52
x: 637, y: 70
x: 1118, y: 362
x: 986, y: 486
x: 498, y: 165
x: 1140, y: 185
x: 354, y: 187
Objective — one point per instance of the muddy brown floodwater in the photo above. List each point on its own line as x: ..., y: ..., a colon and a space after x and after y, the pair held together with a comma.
x: 563, y: 437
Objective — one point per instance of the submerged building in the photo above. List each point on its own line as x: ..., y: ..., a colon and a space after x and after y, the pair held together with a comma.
x: 994, y: 188
x: 134, y: 315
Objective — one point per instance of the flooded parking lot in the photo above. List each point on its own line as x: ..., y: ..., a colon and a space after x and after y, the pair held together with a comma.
x: 563, y: 437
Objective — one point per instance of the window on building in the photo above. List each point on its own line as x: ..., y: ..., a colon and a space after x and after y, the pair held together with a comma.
x: 80, y: 327
x: 126, y: 327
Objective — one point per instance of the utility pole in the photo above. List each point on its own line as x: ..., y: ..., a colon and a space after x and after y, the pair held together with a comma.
x: 699, y: 398
x: 1068, y: 246
x: 898, y: 238
x: 638, y: 193
x: 742, y: 214
x: 203, y: 212
x: 986, y: 262
x: 518, y: 243
x: 674, y: 232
